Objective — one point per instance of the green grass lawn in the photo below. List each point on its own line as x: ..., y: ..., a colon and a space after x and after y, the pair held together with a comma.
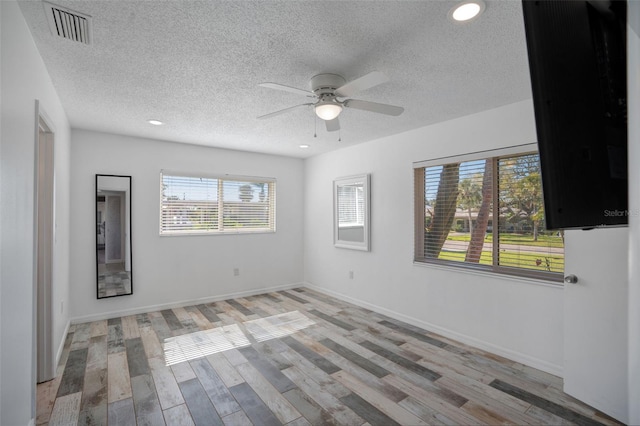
x: 521, y: 239
x: 513, y: 259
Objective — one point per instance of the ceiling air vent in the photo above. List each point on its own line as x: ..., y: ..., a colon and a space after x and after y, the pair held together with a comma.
x: 68, y: 24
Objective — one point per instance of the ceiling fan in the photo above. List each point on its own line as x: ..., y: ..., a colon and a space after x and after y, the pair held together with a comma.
x: 326, y: 89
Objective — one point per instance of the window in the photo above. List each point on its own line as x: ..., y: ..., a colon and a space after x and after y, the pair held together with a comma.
x: 350, y: 205
x: 486, y: 212
x: 213, y: 205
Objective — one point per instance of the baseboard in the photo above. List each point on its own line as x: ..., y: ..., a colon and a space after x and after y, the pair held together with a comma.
x: 180, y: 304
x: 463, y: 338
x: 61, y: 345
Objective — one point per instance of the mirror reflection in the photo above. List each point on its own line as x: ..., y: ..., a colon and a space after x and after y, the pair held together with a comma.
x: 113, y: 235
x: 352, y: 212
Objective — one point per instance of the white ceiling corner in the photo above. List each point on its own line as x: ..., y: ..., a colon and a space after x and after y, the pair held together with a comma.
x: 196, y: 66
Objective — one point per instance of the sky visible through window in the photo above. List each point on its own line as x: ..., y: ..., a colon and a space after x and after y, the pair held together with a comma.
x: 203, y: 189
x: 467, y: 170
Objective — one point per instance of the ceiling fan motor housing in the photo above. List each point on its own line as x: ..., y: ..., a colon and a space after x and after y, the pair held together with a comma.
x: 326, y: 83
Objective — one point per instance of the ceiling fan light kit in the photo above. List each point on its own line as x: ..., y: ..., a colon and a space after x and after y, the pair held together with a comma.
x: 328, y: 110
x: 327, y: 88
x: 324, y: 87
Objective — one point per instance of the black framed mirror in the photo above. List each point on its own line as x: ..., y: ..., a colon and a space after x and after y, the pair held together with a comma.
x: 113, y: 236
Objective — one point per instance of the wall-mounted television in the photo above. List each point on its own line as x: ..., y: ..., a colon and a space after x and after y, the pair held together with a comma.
x: 577, y: 62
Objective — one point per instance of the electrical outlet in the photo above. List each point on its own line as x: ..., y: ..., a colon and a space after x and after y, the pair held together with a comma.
x: 236, y: 272
x: 350, y: 275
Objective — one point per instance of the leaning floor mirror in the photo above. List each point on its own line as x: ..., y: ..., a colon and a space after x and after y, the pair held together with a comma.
x: 351, y: 212
x: 113, y: 236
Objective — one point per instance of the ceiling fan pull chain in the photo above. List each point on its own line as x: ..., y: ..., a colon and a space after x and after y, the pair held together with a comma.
x: 315, y: 126
x: 339, y: 135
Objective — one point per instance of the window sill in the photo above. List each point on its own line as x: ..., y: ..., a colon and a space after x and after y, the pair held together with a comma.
x: 496, y: 275
x: 228, y: 232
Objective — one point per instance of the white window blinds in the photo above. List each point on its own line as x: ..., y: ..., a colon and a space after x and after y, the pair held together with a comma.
x: 205, y: 204
x: 350, y: 205
x: 453, y: 200
x: 486, y: 213
x: 524, y: 241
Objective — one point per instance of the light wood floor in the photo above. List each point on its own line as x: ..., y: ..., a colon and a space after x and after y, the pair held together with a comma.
x: 294, y: 357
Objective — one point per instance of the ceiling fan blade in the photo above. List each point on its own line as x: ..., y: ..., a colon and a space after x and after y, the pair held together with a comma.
x: 284, y: 88
x: 363, y: 83
x: 374, y: 107
x: 332, y: 125
x: 282, y: 111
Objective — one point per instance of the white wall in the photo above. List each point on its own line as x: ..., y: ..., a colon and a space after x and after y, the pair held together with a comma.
x: 633, y: 64
x: 25, y: 79
x: 519, y: 319
x: 169, y: 270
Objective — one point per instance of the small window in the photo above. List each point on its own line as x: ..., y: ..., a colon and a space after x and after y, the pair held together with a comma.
x: 214, y: 205
x: 350, y: 205
x: 486, y: 213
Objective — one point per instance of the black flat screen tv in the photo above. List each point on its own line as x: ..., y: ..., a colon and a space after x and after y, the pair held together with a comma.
x: 577, y: 62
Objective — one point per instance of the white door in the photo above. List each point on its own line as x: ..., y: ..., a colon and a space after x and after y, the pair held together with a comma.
x: 595, y: 319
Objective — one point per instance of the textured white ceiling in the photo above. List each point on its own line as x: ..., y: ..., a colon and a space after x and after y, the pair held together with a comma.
x: 196, y: 66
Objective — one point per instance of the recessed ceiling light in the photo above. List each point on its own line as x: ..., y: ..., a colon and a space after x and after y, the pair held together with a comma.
x: 155, y: 122
x: 304, y: 146
x: 466, y: 11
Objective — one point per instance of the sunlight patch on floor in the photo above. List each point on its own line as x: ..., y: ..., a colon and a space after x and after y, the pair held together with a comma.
x: 203, y: 343
x: 277, y: 325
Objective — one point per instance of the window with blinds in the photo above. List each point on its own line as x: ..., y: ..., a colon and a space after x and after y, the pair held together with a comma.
x: 486, y: 213
x: 211, y: 205
x: 350, y: 205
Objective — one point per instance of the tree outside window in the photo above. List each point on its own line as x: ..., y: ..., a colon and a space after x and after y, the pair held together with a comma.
x: 487, y: 214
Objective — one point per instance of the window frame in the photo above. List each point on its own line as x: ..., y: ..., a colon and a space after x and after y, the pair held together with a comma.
x: 221, y: 178
x: 365, y: 244
x: 419, y: 214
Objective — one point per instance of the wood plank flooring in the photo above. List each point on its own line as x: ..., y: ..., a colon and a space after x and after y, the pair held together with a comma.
x: 294, y: 357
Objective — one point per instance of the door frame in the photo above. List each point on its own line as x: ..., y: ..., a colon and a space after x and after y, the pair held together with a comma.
x: 44, y: 246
